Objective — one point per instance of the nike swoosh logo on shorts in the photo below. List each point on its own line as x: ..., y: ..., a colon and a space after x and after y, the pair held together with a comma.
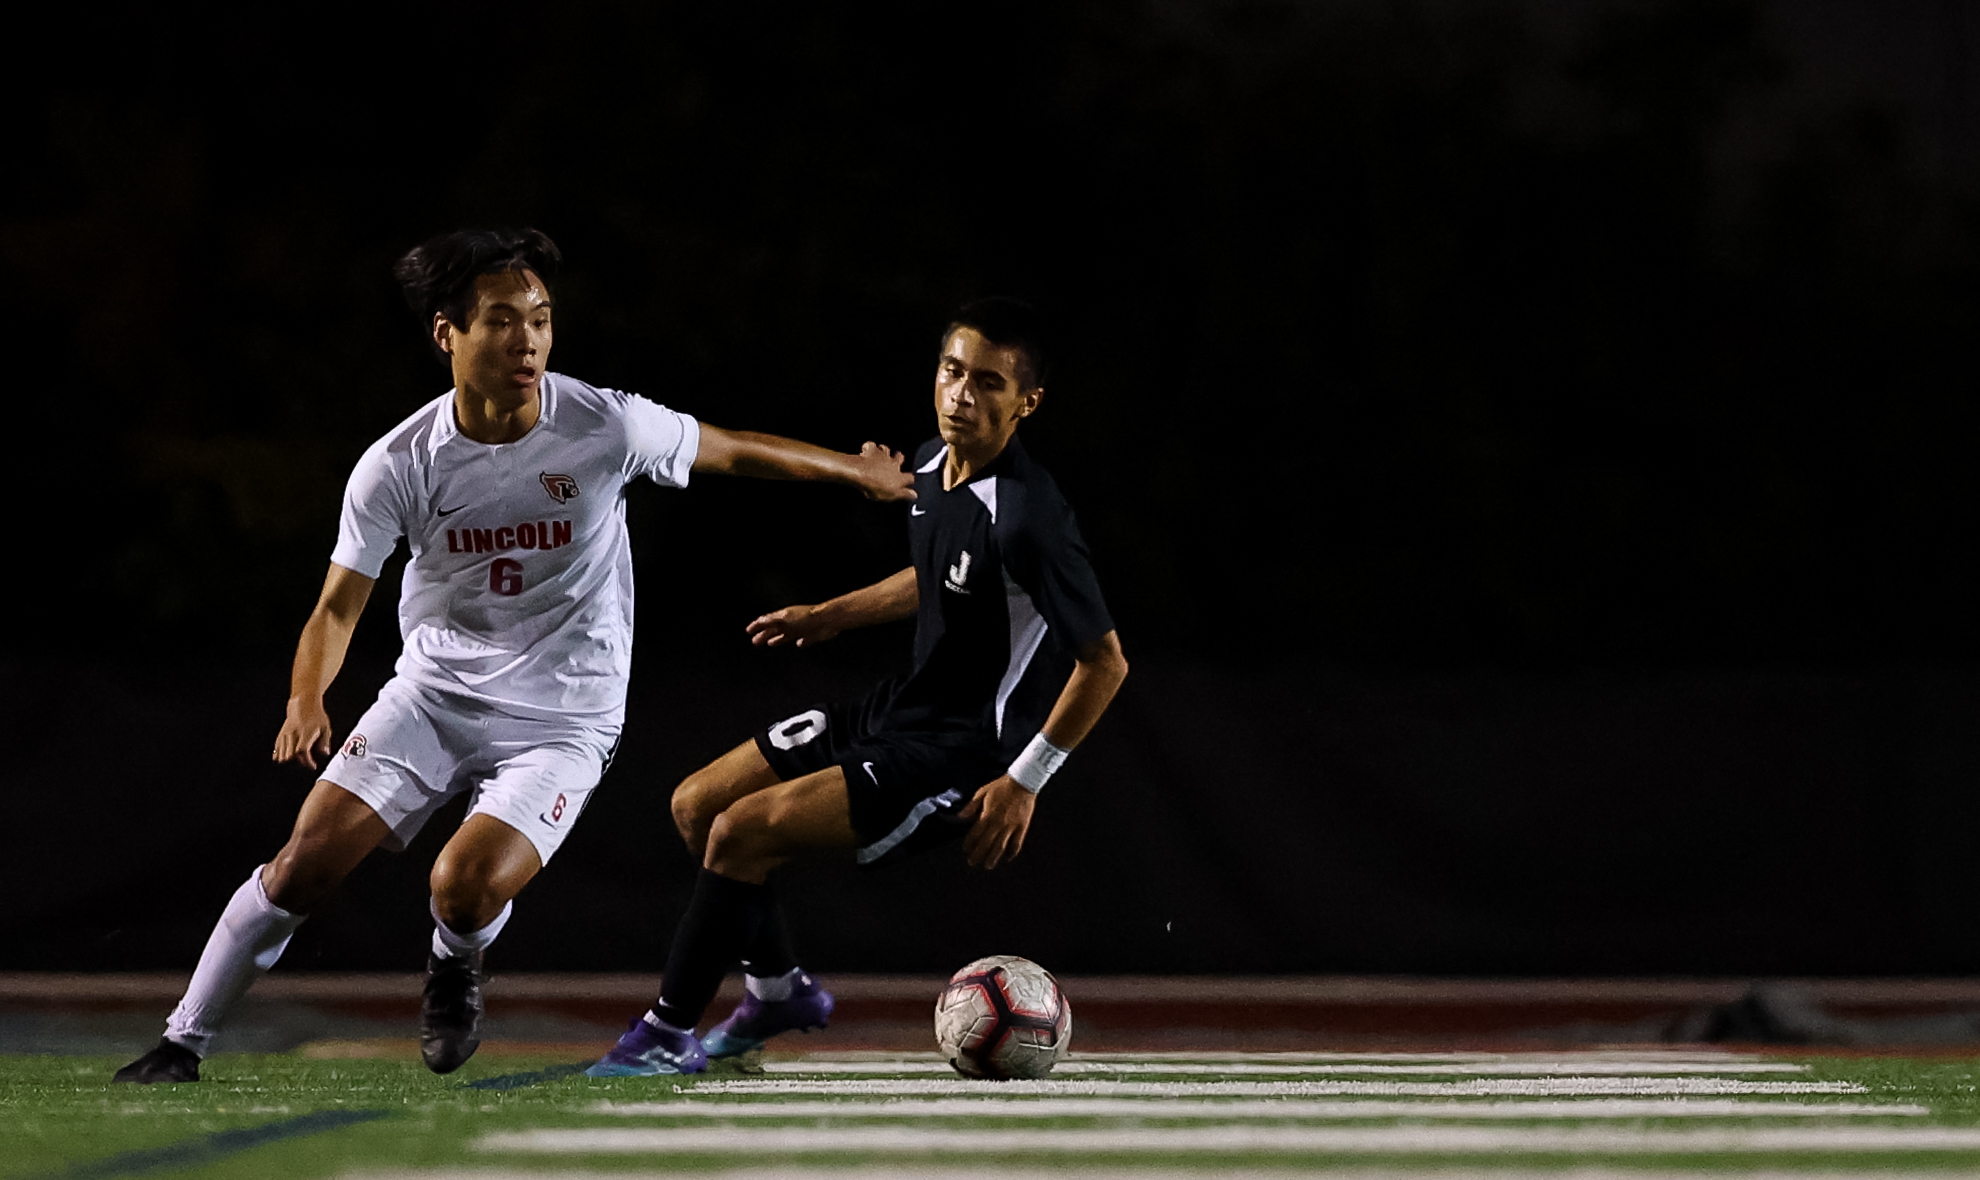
x: 870, y: 774
x: 450, y: 511
x: 917, y: 512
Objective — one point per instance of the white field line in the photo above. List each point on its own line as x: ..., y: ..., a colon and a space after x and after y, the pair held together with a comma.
x: 1279, y: 1108
x: 1640, y: 1087
x: 1694, y: 1054
x: 673, y: 1141
x: 925, y: 1169
x: 1541, y: 1067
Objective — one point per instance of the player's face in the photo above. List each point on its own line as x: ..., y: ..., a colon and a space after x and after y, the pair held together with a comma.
x: 505, y: 347
x: 978, y: 397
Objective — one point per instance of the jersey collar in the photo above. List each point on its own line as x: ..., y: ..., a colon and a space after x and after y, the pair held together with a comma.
x: 445, y: 429
x: 1011, y: 454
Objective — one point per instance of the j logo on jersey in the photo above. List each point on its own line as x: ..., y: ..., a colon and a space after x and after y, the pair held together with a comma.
x: 355, y: 747
x: 959, y: 573
x: 562, y: 488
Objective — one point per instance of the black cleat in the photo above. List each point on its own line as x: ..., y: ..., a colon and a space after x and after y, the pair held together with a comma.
x: 169, y: 1062
x: 450, y: 1012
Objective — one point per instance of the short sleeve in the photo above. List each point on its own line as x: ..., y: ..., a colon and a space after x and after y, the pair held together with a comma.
x: 373, y: 516
x: 660, y: 443
x: 1049, y: 561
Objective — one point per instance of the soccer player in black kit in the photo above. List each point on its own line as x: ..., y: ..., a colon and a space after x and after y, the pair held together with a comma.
x: 1015, y: 659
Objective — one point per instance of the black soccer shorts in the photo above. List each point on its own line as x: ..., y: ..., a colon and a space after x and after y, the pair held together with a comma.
x: 904, y: 789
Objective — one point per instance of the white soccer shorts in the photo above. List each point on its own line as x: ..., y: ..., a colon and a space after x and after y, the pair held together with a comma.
x: 415, y: 749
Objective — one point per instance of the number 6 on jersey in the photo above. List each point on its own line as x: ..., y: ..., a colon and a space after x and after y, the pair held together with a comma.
x: 505, y: 576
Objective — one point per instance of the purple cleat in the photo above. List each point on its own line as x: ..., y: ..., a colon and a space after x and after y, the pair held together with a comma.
x: 648, y: 1049
x: 755, y: 1021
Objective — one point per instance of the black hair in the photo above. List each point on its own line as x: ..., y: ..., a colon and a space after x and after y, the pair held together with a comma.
x: 438, y: 275
x: 1007, y: 323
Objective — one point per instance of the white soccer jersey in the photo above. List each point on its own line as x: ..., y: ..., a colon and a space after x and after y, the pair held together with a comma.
x: 519, y: 593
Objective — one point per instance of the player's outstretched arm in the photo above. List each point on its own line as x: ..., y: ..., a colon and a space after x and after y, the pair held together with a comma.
x: 1096, y: 677
x: 875, y: 471
x: 305, y: 735
x: 802, y: 626
x: 1002, y: 810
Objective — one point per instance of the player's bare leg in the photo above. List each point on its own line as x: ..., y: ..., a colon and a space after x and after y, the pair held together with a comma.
x: 759, y: 831
x: 778, y: 994
x: 763, y: 830
x: 715, y: 788
x: 333, y: 832
x: 474, y: 880
x: 480, y: 871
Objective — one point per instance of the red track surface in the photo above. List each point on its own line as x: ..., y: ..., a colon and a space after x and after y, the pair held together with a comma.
x: 1110, y: 1013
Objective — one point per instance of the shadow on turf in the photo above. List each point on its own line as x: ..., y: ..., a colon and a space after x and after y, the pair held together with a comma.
x: 221, y: 1144
x: 1770, y: 1014
x: 516, y: 1081
x: 210, y: 1148
x: 747, y: 1063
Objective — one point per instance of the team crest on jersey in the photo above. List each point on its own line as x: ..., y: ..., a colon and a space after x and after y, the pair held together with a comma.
x: 959, y: 573
x: 562, y: 488
x: 355, y: 747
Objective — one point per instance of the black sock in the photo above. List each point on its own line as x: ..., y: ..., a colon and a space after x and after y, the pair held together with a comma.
x: 720, y: 921
x: 770, y: 953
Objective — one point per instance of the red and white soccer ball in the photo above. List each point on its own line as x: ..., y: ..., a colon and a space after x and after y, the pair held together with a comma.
x: 1003, y: 1017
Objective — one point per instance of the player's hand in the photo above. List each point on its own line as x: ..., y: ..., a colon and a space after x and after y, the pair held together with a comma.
x: 880, y: 474
x: 799, y: 626
x: 305, y: 735
x: 1002, y: 812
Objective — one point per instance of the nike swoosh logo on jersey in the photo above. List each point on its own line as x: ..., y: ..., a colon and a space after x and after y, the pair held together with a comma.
x: 450, y: 511
x: 870, y: 774
x: 917, y: 512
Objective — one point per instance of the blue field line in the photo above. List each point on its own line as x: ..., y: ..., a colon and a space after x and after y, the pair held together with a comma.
x: 210, y: 1148
x: 516, y: 1081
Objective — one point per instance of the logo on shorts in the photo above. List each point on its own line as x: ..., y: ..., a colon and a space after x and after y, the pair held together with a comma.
x: 560, y: 487
x: 959, y: 573
x: 555, y: 813
x: 355, y: 747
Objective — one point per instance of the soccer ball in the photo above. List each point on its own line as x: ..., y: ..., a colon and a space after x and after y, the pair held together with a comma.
x: 1003, y: 1017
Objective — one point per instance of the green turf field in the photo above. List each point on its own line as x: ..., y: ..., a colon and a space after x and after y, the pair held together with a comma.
x: 857, y: 1114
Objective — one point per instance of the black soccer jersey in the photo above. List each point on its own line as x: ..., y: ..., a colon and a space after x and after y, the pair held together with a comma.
x: 1007, y: 599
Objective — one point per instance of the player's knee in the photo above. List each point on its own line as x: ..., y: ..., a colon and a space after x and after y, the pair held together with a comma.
x: 738, y: 834
x: 686, y: 807
x: 465, y: 898
x: 297, y: 878
x: 724, y: 835
x: 695, y: 808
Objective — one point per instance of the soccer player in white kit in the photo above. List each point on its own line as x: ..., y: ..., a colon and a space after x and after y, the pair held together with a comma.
x: 517, y: 615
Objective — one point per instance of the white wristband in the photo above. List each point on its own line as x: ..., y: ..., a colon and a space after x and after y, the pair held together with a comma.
x: 1038, y: 762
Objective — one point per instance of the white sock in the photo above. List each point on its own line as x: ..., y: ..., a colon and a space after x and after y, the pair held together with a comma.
x: 772, y: 988
x: 449, y: 945
x: 250, y: 936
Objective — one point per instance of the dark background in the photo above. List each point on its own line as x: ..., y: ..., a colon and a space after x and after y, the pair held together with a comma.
x: 1525, y: 446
